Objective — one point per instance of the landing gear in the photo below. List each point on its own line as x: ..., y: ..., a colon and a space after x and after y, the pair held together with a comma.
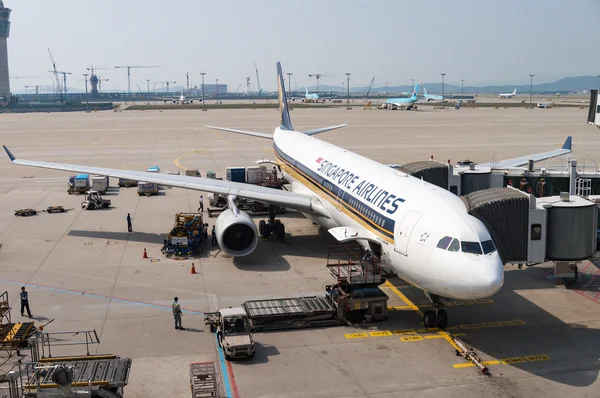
x: 272, y: 226
x: 438, y: 317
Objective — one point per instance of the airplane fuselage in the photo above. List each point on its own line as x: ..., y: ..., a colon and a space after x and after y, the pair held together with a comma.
x: 407, y: 217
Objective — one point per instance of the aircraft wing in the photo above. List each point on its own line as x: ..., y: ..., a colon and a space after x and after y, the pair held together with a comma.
x: 523, y: 160
x: 305, y: 203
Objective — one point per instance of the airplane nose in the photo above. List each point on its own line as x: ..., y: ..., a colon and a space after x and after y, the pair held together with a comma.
x: 489, y: 280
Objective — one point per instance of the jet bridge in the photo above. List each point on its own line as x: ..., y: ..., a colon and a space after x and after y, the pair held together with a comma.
x: 526, y: 230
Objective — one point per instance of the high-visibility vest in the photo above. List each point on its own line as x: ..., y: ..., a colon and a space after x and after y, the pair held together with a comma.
x: 176, y: 308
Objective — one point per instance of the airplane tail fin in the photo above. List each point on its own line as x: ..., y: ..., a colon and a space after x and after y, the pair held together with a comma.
x: 514, y: 91
x: 416, y: 90
x: 286, y: 122
x: 424, y: 91
x: 306, y: 88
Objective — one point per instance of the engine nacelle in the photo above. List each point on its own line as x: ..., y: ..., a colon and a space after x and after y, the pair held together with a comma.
x: 236, y: 233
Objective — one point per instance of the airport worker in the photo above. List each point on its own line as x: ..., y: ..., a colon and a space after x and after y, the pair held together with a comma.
x: 214, y: 236
x: 25, y: 302
x: 129, y: 226
x: 274, y: 172
x: 201, y: 203
x: 177, y: 313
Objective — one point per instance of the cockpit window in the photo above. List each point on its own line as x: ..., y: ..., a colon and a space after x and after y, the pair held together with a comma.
x: 454, y: 246
x: 444, y: 242
x: 471, y: 247
x: 488, y: 247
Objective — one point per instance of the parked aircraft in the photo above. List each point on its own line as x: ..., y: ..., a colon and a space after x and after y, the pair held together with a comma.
x: 431, y: 97
x: 509, y: 95
x: 405, y: 103
x: 420, y: 231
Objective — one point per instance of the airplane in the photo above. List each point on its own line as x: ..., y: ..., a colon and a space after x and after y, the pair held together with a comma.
x: 181, y: 100
x: 419, y: 230
x: 508, y: 95
x: 309, y: 97
x: 407, y: 103
x: 431, y: 97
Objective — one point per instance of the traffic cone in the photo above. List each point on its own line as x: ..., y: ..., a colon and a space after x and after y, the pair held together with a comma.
x: 193, y: 270
x: 145, y: 254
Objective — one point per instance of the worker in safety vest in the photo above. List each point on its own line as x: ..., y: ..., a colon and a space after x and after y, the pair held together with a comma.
x: 214, y: 236
x: 129, y: 226
x: 25, y: 302
x: 177, y: 313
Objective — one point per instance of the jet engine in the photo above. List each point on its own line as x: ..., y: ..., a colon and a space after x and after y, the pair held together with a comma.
x: 236, y: 232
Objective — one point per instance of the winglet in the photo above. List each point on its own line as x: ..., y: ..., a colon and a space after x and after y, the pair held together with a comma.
x: 566, y: 145
x: 9, y: 153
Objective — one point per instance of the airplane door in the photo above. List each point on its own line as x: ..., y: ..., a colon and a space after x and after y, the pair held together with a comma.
x: 404, y: 230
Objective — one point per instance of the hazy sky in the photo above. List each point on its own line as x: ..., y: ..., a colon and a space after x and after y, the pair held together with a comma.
x: 477, y: 40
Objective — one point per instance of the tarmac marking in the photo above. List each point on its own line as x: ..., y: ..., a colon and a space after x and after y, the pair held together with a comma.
x: 224, y: 368
x: 381, y: 333
x: 506, y: 361
x: 399, y: 308
x: 198, y: 152
x: 462, y: 303
x: 403, y: 332
x: 434, y: 336
x: 515, y: 322
x: 222, y: 139
x: 403, y: 297
x: 411, y: 338
x: 356, y: 335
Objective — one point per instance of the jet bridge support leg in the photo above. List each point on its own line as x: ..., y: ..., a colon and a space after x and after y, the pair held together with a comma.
x: 438, y: 317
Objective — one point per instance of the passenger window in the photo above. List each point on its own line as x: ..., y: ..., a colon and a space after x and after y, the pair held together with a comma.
x: 471, y: 247
x: 536, y: 231
x: 488, y: 247
x: 454, y: 246
x: 444, y: 242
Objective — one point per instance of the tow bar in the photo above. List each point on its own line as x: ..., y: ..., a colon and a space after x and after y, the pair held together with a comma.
x: 467, y: 352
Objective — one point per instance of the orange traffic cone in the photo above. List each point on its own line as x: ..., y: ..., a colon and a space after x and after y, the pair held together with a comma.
x: 145, y: 254
x: 193, y: 270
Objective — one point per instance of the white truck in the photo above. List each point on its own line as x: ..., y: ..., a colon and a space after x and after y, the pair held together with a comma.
x: 234, y: 332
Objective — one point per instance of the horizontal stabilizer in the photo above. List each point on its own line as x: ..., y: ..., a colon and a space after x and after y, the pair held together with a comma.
x: 244, y: 132
x: 324, y: 129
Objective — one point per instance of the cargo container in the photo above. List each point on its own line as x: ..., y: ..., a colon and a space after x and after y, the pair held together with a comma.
x: 79, y: 183
x: 153, y: 169
x: 147, y: 188
x: 211, y: 174
x: 236, y: 174
x: 193, y: 173
x: 124, y: 182
x: 100, y: 184
x: 256, y: 174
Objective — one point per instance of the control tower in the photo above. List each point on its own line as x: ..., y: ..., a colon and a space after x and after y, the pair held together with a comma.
x: 4, y: 32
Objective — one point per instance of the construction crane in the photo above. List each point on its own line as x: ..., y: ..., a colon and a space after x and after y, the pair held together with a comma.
x: 366, y: 94
x: 64, y: 79
x: 168, y: 83
x: 129, y: 67
x: 248, y: 87
x: 37, y: 89
x: 317, y: 76
x: 238, y: 89
x: 58, y: 89
x: 257, y: 79
x: 100, y: 80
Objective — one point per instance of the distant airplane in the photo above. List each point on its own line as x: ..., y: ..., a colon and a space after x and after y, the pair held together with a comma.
x: 181, y: 100
x: 311, y: 97
x: 406, y: 103
x: 509, y: 95
x: 431, y: 97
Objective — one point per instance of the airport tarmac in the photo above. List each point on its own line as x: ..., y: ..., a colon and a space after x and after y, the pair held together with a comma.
x: 85, y: 271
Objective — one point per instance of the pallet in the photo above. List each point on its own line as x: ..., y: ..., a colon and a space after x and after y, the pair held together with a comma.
x: 203, y: 380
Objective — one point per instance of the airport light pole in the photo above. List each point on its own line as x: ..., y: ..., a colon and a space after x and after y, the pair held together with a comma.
x: 348, y: 88
x: 203, y: 102
x: 85, y: 75
x: 413, y: 83
x: 530, y: 91
x: 217, y: 92
x: 296, y: 86
x: 289, y: 81
x: 462, y: 90
x: 385, y: 88
x: 443, y: 75
x: 148, y: 81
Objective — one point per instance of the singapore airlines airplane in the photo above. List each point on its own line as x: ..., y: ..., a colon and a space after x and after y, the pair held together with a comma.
x: 423, y: 232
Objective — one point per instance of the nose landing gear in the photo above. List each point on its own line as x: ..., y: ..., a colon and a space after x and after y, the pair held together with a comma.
x: 438, y: 317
